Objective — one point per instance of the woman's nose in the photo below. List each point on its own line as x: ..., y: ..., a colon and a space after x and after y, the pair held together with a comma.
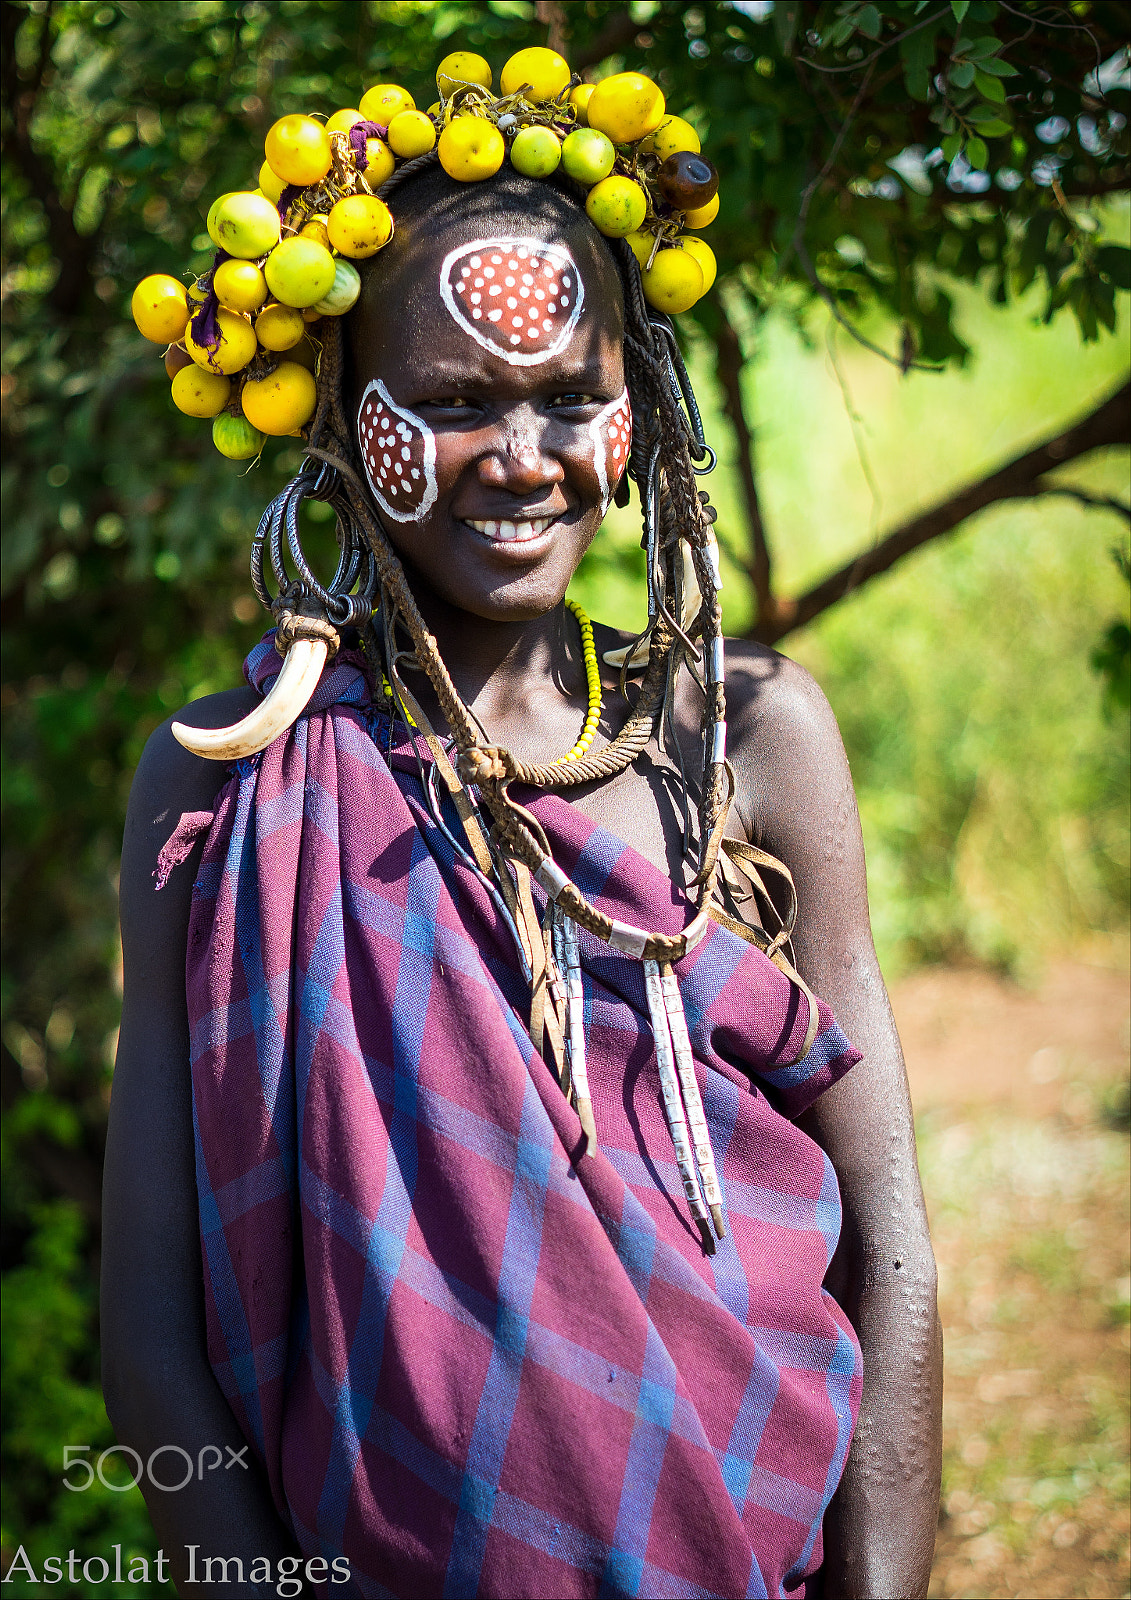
x: 518, y: 462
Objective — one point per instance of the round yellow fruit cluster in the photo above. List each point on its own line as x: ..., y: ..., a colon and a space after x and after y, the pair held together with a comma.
x: 242, y: 345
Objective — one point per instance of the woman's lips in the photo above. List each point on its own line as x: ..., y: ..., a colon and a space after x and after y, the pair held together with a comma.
x: 502, y: 532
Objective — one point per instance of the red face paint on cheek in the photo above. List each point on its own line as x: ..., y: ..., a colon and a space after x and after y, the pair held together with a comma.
x: 518, y: 298
x: 399, y: 452
x: 611, y: 432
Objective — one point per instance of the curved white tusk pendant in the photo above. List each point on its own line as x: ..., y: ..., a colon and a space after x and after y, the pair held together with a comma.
x: 287, y: 700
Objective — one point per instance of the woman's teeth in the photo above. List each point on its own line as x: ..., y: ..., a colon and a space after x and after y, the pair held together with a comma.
x: 512, y: 532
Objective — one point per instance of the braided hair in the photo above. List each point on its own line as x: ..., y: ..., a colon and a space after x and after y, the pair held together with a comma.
x: 667, y: 440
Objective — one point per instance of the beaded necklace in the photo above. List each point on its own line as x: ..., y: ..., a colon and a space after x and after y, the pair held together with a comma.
x: 592, y: 679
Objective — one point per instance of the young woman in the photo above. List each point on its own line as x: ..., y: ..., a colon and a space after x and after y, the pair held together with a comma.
x: 484, y: 1336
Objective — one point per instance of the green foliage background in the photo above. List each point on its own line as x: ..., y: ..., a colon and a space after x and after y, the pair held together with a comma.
x: 992, y: 771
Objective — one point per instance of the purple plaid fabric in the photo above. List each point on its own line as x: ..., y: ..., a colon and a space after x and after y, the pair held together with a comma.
x: 471, y: 1360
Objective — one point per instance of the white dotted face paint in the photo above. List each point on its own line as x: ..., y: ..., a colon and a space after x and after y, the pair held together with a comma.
x: 399, y: 452
x: 518, y: 298
x: 611, y: 433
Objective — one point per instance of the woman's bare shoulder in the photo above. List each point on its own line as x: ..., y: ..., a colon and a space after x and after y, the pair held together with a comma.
x: 783, y: 740
x: 170, y: 781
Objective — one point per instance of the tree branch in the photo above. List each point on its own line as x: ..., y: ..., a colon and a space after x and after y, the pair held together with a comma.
x: 552, y: 13
x: 1108, y: 424
x: 72, y: 250
x: 730, y: 363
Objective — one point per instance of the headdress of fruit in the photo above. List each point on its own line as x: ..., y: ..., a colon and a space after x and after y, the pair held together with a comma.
x: 242, y: 340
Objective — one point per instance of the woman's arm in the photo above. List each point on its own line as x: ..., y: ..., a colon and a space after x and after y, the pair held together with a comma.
x: 158, y: 1385
x: 796, y: 789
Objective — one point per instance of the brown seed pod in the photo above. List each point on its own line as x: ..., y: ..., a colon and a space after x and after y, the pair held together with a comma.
x: 687, y: 181
x: 176, y: 357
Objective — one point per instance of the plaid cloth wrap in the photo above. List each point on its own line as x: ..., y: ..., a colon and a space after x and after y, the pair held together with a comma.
x: 470, y: 1360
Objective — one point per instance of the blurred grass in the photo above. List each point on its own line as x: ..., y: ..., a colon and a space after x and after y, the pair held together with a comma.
x: 1030, y: 1227
x: 993, y: 789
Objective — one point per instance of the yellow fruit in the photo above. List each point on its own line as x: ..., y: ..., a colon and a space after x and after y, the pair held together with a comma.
x: 626, y: 107
x: 673, y: 134
x: 309, y: 315
x: 704, y: 215
x: 245, y: 225
x: 270, y: 183
x: 699, y: 250
x: 279, y: 327
x: 536, y: 152
x: 160, y: 308
x: 299, y: 271
x: 235, y: 349
x: 546, y: 72
x: 235, y: 438
x: 674, y: 283
x: 200, y: 394
x: 298, y: 149
x: 177, y: 358
x: 197, y: 294
x: 239, y: 285
x: 471, y: 148
x: 282, y: 402
x: 358, y: 225
x: 316, y: 229
x: 343, y: 121
x: 616, y: 206
x: 383, y: 101
x: 381, y: 162
x: 579, y: 99
x: 640, y: 244
x: 411, y: 134
x: 460, y: 68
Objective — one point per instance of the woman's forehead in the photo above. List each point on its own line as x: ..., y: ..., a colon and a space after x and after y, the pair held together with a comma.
x: 524, y: 295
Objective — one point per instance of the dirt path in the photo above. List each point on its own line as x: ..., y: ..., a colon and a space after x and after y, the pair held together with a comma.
x: 1025, y: 1169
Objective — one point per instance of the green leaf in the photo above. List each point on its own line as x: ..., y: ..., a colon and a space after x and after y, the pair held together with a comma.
x: 786, y: 16
x: 951, y: 145
x: 1115, y: 261
x: 960, y: 8
x: 999, y: 68
x: 990, y: 87
x: 868, y: 22
x: 977, y: 154
x: 978, y: 49
x: 988, y: 127
x: 918, y: 53
x: 961, y: 74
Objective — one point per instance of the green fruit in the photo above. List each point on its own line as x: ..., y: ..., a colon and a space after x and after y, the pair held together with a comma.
x: 588, y: 155
x: 235, y: 437
x: 299, y: 272
x: 344, y: 292
x: 617, y: 206
x: 536, y: 152
x: 244, y: 224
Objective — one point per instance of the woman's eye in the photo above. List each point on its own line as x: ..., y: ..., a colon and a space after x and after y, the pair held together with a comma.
x: 571, y: 401
x: 450, y: 403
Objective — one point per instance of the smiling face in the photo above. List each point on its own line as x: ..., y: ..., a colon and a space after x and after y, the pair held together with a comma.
x: 493, y: 465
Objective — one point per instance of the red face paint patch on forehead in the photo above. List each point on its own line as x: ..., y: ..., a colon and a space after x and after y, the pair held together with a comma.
x: 518, y: 298
x: 399, y: 452
x: 611, y: 432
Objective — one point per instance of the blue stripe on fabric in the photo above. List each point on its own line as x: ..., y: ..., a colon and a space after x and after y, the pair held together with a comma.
x: 828, y: 1211
x: 550, y: 1535
x: 646, y: 1449
x: 386, y: 1241
x: 518, y: 1271
x: 826, y: 1047
x: 252, y: 1188
x: 838, y: 1384
x: 737, y: 1464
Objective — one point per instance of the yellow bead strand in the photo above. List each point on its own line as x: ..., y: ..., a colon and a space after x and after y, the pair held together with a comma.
x: 593, y: 680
